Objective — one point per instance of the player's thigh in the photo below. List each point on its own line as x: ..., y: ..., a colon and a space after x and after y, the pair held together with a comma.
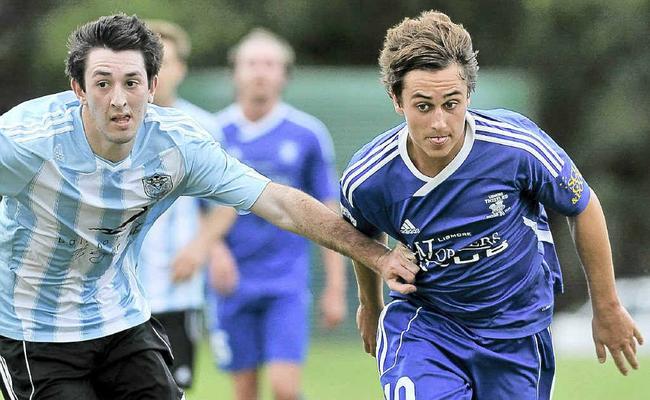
x: 410, y: 362
x: 137, y: 366
x: 522, y: 368
x: 286, y: 328
x: 183, y: 330
x: 236, y: 340
x: 31, y: 370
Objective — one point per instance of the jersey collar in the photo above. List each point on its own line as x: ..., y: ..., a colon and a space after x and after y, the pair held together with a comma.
x: 250, y: 130
x: 432, y: 182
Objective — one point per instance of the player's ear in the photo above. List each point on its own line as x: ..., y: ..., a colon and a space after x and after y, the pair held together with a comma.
x: 78, y: 91
x: 152, y: 88
x: 396, y: 104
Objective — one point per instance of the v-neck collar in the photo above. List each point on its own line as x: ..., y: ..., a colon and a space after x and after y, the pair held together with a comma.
x: 432, y: 182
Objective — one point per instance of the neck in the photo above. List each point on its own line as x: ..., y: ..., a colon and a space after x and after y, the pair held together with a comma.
x: 103, y: 148
x: 165, y: 101
x: 255, y: 109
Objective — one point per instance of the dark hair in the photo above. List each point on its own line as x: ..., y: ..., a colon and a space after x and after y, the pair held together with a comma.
x: 430, y: 42
x: 115, y: 32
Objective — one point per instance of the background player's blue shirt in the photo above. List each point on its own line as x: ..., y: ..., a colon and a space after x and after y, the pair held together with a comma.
x: 168, y: 235
x: 71, y: 223
x: 477, y: 228
x: 291, y: 148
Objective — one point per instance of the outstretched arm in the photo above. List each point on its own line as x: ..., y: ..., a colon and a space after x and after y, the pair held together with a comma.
x: 612, y: 326
x: 297, y: 212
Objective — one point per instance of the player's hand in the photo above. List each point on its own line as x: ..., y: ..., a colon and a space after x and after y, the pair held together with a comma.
x: 333, y: 307
x: 224, y: 275
x: 613, y: 329
x: 398, y: 269
x: 189, y: 260
x: 367, y: 323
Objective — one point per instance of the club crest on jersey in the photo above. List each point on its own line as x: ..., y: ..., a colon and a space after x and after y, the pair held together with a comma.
x: 495, y: 203
x: 157, y: 185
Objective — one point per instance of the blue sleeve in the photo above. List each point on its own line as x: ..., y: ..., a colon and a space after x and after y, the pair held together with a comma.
x: 354, y: 216
x: 320, y: 175
x: 552, y: 178
x: 216, y: 176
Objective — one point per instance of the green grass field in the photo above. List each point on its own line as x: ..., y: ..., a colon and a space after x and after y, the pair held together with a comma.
x: 341, y: 371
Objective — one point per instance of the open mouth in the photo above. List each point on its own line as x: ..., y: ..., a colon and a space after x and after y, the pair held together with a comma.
x: 121, y: 120
x: 438, y: 140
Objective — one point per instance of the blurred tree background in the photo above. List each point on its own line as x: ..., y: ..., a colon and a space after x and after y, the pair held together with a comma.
x: 585, y: 58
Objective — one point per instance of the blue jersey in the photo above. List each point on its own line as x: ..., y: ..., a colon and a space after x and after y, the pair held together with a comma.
x: 478, y: 227
x: 168, y: 235
x: 292, y: 148
x: 72, y: 223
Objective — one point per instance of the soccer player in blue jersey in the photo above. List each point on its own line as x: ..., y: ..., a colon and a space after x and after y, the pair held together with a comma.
x: 261, y: 273
x: 176, y: 297
x: 83, y: 176
x: 463, y: 189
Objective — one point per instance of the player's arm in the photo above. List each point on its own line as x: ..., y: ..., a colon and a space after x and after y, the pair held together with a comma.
x: 612, y: 326
x: 333, y: 302
x: 213, y: 227
x: 297, y: 212
x: 371, y: 302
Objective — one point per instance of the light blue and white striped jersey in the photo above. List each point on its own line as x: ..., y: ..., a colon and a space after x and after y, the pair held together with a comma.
x: 168, y: 235
x: 72, y: 223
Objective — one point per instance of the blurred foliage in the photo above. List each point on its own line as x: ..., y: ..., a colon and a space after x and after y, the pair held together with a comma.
x: 588, y: 58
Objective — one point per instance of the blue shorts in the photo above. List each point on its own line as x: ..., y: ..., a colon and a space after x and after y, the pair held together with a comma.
x: 249, y: 333
x: 424, y: 355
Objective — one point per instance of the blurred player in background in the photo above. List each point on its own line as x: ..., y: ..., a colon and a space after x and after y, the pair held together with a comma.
x: 83, y: 176
x: 468, y: 205
x: 175, y: 296
x: 260, y: 274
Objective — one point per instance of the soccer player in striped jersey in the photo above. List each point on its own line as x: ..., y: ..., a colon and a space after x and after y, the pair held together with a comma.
x: 463, y: 190
x: 83, y: 176
x: 173, y: 288
x: 261, y: 273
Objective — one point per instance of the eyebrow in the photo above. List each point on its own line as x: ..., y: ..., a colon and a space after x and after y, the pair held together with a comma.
x: 108, y: 73
x: 424, y: 96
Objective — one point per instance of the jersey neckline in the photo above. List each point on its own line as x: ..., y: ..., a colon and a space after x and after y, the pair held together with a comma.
x: 432, y: 182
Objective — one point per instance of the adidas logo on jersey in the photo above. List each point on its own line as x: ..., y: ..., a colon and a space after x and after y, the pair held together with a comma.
x: 408, y: 228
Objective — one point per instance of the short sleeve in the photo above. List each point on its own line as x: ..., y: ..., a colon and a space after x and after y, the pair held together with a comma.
x: 553, y: 179
x: 354, y: 216
x: 319, y: 170
x: 221, y: 178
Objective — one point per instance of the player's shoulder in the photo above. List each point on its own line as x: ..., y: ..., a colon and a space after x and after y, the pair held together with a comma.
x: 36, y: 117
x: 304, y: 119
x: 205, y: 118
x: 380, y: 146
x: 167, y: 122
x: 509, y: 132
x: 503, y: 120
x: 367, y: 171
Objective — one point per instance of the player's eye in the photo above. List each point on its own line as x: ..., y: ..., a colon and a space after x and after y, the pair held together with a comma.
x: 102, y: 84
x: 450, y: 105
x: 424, y: 107
x: 132, y: 83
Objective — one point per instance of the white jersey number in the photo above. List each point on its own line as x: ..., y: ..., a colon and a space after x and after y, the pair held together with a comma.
x: 402, y: 383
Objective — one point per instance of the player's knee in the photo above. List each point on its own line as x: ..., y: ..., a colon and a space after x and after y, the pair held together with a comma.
x: 285, y: 390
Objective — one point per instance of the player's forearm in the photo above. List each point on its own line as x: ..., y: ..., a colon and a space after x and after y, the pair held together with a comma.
x: 297, y: 212
x: 334, y: 264
x: 370, y: 286
x: 589, y: 231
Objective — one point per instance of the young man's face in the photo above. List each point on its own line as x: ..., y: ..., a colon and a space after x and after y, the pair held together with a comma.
x: 260, y: 71
x: 115, y: 100
x: 434, y: 105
